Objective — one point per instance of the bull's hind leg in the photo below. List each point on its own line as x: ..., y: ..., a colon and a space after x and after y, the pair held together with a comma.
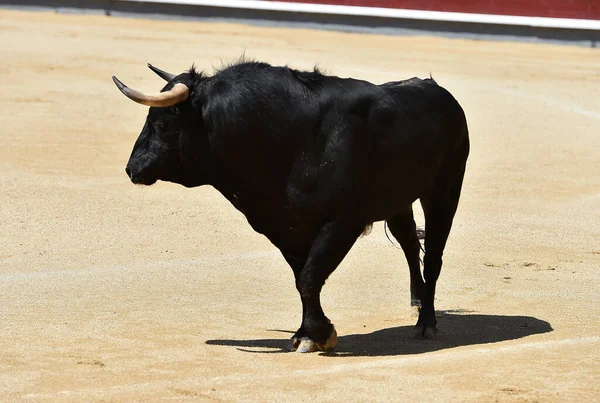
x: 331, y: 245
x: 403, y: 228
x: 439, y: 207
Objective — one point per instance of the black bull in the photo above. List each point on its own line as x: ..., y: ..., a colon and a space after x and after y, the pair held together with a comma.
x: 311, y: 161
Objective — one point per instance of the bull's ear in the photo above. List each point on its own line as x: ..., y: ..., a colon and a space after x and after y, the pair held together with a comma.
x: 161, y: 73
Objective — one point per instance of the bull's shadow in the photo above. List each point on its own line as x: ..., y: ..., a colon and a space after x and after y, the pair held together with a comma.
x: 455, y: 330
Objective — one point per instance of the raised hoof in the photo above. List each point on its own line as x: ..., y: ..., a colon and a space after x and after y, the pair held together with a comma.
x: 306, y: 345
x: 415, y: 310
x: 429, y: 333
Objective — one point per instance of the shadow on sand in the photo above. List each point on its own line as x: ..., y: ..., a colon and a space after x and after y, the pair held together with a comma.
x: 454, y: 330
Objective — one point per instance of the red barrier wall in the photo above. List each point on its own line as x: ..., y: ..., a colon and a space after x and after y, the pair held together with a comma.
x: 584, y: 9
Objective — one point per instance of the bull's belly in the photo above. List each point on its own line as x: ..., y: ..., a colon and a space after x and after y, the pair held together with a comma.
x: 383, y: 205
x: 387, y: 195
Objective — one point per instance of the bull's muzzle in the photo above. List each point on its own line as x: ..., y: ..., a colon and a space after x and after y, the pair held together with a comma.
x: 139, y: 177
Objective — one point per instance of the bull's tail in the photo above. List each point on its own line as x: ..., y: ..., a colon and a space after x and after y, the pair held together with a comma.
x: 420, y: 236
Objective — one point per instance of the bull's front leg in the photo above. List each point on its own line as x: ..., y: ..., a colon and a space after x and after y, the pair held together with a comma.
x: 297, y: 261
x: 331, y: 245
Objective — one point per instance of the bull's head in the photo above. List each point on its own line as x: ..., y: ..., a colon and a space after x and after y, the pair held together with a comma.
x: 168, y: 146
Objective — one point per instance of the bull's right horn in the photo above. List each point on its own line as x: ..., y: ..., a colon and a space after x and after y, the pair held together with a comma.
x: 179, y: 93
x: 161, y: 73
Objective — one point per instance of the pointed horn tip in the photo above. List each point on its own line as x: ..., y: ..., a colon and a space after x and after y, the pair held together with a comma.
x: 161, y: 73
x: 118, y: 83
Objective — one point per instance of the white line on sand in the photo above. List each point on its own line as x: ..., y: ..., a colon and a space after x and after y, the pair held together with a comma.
x: 547, y: 99
x: 199, y: 261
x: 395, y: 362
x: 450, y: 354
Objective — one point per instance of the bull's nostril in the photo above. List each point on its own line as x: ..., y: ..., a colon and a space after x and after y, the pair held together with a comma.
x: 128, y: 172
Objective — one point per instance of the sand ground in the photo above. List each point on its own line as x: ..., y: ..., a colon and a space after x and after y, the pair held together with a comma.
x: 114, y: 292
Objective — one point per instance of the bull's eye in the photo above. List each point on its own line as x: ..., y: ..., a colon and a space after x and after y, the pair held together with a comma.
x: 159, y: 126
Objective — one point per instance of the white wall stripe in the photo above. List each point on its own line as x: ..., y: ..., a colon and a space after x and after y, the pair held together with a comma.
x: 538, y: 22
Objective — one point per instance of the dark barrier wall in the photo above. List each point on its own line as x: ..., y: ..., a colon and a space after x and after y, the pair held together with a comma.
x: 584, y: 9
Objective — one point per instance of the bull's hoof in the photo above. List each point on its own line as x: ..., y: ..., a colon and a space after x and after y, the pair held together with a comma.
x: 425, y: 332
x: 296, y: 343
x: 306, y: 345
x: 331, y: 342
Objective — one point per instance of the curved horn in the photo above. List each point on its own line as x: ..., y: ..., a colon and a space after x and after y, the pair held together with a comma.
x: 179, y: 93
x: 161, y: 73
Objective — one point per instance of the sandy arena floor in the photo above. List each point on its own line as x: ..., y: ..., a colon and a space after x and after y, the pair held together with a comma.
x: 114, y: 292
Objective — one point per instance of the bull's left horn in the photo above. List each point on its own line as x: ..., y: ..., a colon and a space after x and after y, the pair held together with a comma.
x: 161, y: 73
x: 179, y: 93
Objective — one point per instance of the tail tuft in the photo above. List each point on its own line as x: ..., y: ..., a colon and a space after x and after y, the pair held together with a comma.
x: 421, y: 237
x: 367, y: 230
